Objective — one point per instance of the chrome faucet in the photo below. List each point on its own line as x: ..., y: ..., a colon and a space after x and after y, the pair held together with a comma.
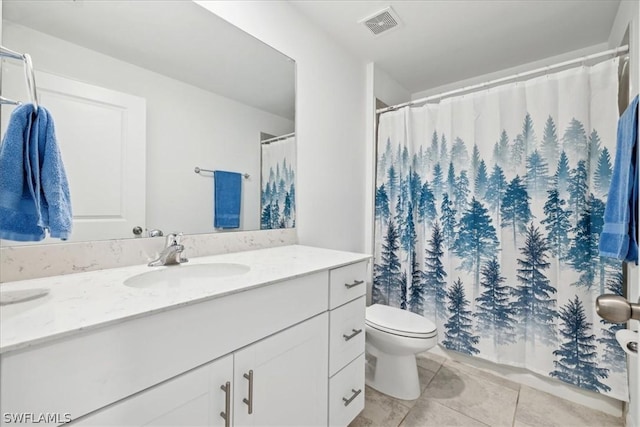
x: 172, y: 252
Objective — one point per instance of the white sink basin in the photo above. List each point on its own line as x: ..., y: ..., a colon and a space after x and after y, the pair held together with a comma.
x: 185, y: 275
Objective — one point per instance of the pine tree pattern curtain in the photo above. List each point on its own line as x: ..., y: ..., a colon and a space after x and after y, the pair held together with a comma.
x: 488, y: 212
x: 278, y: 190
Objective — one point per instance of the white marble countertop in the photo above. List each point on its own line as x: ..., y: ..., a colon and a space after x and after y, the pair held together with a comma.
x: 80, y: 302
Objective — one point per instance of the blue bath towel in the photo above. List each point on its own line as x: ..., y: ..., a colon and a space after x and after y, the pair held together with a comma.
x: 618, y: 239
x: 34, y: 191
x: 227, y: 195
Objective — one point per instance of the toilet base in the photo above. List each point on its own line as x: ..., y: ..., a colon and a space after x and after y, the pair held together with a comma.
x: 393, y: 375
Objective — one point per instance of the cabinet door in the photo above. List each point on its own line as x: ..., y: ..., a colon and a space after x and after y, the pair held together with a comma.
x: 191, y: 399
x: 284, y: 378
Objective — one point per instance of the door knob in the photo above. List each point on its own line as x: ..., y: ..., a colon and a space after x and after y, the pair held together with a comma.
x: 616, y: 309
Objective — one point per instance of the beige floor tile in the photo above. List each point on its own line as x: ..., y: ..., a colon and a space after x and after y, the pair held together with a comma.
x: 473, y: 396
x: 536, y: 408
x: 456, y: 394
x: 361, y: 421
x: 427, y: 412
x: 430, y: 361
x: 380, y: 410
x: 482, y: 374
x: 425, y: 376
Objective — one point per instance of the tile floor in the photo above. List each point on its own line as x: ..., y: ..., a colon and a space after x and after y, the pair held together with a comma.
x: 455, y: 394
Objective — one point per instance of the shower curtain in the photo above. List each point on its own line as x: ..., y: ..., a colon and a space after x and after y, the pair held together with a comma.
x: 488, y: 211
x: 278, y: 192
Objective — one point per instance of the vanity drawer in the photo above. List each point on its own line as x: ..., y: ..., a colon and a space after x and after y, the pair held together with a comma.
x: 347, y: 283
x: 346, y: 334
x: 346, y: 393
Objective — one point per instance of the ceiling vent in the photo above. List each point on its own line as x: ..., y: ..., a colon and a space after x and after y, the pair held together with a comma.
x: 382, y: 21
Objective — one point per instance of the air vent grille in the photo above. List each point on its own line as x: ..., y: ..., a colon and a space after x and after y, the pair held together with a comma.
x: 381, y: 21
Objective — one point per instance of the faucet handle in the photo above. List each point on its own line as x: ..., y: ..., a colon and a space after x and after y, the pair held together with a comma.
x: 179, y: 256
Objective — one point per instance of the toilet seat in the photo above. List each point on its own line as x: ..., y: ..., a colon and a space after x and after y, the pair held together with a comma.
x: 399, y: 322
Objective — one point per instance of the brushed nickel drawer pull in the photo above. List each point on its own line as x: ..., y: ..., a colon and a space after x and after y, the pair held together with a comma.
x: 249, y: 402
x: 355, y: 283
x: 349, y: 400
x: 355, y: 332
x: 226, y: 415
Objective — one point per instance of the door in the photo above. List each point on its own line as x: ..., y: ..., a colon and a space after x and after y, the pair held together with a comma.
x: 282, y: 380
x: 191, y: 399
x: 101, y: 134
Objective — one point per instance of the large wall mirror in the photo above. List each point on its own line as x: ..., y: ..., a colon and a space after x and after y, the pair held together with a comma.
x: 142, y: 93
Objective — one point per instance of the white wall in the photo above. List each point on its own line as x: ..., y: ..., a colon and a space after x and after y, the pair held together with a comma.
x: 388, y: 90
x: 330, y: 120
x: 628, y: 17
x: 511, y: 71
x: 186, y: 127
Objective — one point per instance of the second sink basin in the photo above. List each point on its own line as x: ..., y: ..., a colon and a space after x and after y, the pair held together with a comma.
x: 185, y: 275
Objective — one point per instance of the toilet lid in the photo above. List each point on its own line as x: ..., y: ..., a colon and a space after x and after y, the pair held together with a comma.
x: 399, y: 322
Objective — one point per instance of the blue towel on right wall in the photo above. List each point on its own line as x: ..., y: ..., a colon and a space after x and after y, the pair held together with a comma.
x: 227, y: 195
x: 618, y: 239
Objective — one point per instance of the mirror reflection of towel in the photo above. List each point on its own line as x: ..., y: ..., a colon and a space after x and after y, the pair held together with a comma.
x: 227, y: 195
x: 34, y: 191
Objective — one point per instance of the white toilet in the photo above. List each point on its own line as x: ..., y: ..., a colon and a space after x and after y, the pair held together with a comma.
x: 394, y: 337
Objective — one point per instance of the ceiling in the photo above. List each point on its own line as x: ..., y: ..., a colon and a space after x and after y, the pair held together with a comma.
x: 441, y: 42
x: 147, y: 34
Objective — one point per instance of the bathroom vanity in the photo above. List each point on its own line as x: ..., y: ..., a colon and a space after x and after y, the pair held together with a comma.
x: 267, y: 337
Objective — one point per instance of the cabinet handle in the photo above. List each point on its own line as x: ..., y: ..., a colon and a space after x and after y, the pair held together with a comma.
x: 355, y: 283
x: 249, y: 402
x: 349, y: 400
x: 355, y: 332
x: 227, y: 404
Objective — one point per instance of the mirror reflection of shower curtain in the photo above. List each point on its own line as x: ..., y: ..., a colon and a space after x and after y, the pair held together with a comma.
x: 277, y: 188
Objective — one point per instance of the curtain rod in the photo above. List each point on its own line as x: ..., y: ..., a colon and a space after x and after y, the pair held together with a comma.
x: 615, y: 52
x: 277, y: 138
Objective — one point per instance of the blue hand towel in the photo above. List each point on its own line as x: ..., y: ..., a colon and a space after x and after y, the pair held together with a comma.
x: 34, y: 192
x: 618, y: 239
x: 227, y: 195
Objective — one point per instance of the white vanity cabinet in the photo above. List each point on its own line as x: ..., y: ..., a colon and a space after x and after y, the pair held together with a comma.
x: 290, y: 352
x: 278, y: 381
